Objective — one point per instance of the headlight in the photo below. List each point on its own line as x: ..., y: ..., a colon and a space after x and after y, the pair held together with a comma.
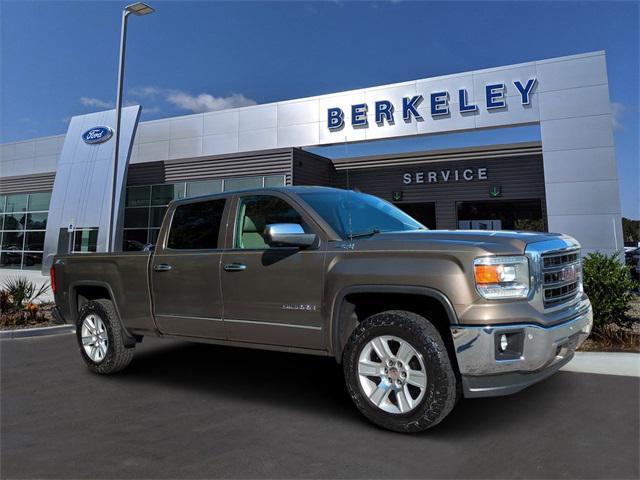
x: 502, y: 277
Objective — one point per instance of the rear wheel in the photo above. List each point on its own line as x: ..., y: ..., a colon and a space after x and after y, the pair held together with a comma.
x: 398, y: 372
x: 99, y: 335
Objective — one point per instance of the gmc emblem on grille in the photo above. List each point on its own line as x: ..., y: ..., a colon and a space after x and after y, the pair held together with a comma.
x: 567, y: 274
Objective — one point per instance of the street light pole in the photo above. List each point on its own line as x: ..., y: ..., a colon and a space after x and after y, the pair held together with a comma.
x: 137, y: 9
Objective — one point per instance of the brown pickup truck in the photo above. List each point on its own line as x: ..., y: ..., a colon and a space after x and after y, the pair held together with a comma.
x: 417, y: 318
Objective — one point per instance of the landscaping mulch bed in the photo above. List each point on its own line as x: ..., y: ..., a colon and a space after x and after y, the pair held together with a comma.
x: 18, y: 320
x: 617, y: 338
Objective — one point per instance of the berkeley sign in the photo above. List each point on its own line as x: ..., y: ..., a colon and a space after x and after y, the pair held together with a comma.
x: 384, y: 110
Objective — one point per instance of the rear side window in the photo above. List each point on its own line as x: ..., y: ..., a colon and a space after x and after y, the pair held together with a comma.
x: 196, y: 226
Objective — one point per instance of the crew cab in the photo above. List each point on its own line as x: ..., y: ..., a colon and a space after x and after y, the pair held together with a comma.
x: 418, y: 318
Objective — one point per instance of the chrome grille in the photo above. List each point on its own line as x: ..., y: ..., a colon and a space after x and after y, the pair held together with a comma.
x: 561, y: 272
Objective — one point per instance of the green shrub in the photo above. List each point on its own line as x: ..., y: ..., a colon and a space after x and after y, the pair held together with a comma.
x: 18, y: 292
x: 609, y: 285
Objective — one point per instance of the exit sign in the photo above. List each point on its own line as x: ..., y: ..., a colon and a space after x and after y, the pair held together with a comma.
x: 495, y: 191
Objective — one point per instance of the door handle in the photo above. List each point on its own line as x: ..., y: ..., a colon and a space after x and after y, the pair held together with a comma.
x: 162, y: 267
x: 235, y: 267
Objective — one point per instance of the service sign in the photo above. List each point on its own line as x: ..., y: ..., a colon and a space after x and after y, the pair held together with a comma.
x: 97, y: 135
x: 438, y: 104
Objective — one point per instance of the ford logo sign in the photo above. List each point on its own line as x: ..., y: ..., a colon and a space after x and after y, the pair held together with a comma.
x: 97, y: 135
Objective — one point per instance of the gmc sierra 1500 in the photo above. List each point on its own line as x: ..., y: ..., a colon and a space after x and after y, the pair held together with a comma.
x: 417, y: 318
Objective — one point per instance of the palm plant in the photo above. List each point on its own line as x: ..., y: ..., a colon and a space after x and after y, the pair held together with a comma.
x: 21, y: 291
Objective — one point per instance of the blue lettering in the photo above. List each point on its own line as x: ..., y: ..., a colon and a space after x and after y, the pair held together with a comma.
x: 525, y: 91
x: 359, y: 115
x: 495, y: 96
x: 464, y: 106
x: 439, y: 104
x: 384, y: 110
x: 410, y: 107
x: 335, y: 118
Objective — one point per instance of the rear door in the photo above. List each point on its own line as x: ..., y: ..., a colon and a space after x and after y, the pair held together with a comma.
x: 271, y: 295
x: 185, y: 270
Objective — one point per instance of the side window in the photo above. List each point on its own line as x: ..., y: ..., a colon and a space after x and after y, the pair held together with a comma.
x: 196, y: 226
x: 255, y: 213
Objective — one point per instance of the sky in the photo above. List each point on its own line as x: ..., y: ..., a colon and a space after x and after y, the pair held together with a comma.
x: 59, y: 59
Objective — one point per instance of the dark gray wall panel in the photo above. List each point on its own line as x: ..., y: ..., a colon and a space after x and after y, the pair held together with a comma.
x: 42, y: 182
x: 268, y: 162
x: 146, y: 173
x: 520, y: 177
x: 311, y: 169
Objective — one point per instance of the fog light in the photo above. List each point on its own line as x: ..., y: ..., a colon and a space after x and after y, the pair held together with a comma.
x: 504, y: 343
x: 509, y: 345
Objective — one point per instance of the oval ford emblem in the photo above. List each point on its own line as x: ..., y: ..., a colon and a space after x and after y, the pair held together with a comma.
x: 97, y: 135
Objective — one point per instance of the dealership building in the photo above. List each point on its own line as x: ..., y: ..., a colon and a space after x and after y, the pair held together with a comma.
x: 55, y: 192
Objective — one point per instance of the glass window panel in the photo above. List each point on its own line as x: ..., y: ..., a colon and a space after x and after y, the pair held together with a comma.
x: 257, y: 213
x: 85, y: 240
x: 10, y: 259
x: 242, y: 183
x: 163, y: 194
x: 12, y: 240
x: 196, y: 226
x: 35, y: 241
x: 3, y: 200
x: 136, y: 217
x: 14, y: 221
x: 32, y: 261
x: 204, y: 188
x: 274, y: 181
x: 37, y: 221
x: 134, y: 240
x: 157, y: 214
x: 39, y: 201
x: 138, y: 196
x: 153, y: 235
x: 16, y: 203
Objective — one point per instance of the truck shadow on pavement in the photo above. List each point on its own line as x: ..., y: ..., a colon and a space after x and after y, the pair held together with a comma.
x: 315, y: 385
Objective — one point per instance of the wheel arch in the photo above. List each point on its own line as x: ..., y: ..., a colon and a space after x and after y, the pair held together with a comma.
x: 85, y: 291
x: 345, y: 318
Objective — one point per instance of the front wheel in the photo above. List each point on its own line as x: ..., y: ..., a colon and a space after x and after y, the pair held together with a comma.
x: 398, y: 372
x: 99, y: 335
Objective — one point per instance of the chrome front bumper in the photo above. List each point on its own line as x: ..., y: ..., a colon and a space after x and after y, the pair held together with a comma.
x: 543, y: 352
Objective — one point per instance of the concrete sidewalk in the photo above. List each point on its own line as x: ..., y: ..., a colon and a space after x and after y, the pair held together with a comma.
x: 606, y: 363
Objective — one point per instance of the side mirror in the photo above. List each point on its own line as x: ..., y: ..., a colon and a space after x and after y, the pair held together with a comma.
x: 288, y: 235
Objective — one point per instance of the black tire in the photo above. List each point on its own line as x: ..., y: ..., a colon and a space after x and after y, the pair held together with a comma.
x: 441, y: 393
x: 118, y: 356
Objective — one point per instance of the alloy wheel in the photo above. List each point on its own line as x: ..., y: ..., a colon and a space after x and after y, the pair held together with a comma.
x: 95, y: 340
x: 392, y: 374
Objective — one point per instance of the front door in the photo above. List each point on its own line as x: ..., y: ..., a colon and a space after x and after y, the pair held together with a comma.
x: 185, y: 272
x: 272, y: 295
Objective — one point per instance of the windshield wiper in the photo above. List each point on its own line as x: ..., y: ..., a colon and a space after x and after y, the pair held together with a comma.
x: 364, y: 234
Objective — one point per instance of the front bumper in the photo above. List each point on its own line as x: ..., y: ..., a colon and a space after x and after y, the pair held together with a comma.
x: 544, y: 350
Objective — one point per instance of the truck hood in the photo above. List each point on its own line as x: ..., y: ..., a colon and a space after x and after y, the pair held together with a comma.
x: 507, y: 242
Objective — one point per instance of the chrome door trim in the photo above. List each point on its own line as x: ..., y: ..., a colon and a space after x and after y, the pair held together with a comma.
x: 272, y: 324
x: 191, y: 317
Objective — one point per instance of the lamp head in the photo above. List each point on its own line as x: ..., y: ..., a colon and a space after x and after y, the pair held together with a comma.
x: 139, y: 9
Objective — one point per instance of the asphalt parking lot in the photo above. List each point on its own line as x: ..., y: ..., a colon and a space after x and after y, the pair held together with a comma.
x: 193, y: 410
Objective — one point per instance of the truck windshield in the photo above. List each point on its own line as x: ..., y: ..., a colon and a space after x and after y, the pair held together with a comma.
x: 353, y: 214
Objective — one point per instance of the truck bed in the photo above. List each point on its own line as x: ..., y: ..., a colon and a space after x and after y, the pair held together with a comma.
x: 124, y: 274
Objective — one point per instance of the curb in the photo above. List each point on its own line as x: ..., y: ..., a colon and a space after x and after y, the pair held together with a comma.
x: 605, y: 363
x: 37, y: 332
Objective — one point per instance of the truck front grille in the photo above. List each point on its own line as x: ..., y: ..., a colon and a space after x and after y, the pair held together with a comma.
x: 561, y: 277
